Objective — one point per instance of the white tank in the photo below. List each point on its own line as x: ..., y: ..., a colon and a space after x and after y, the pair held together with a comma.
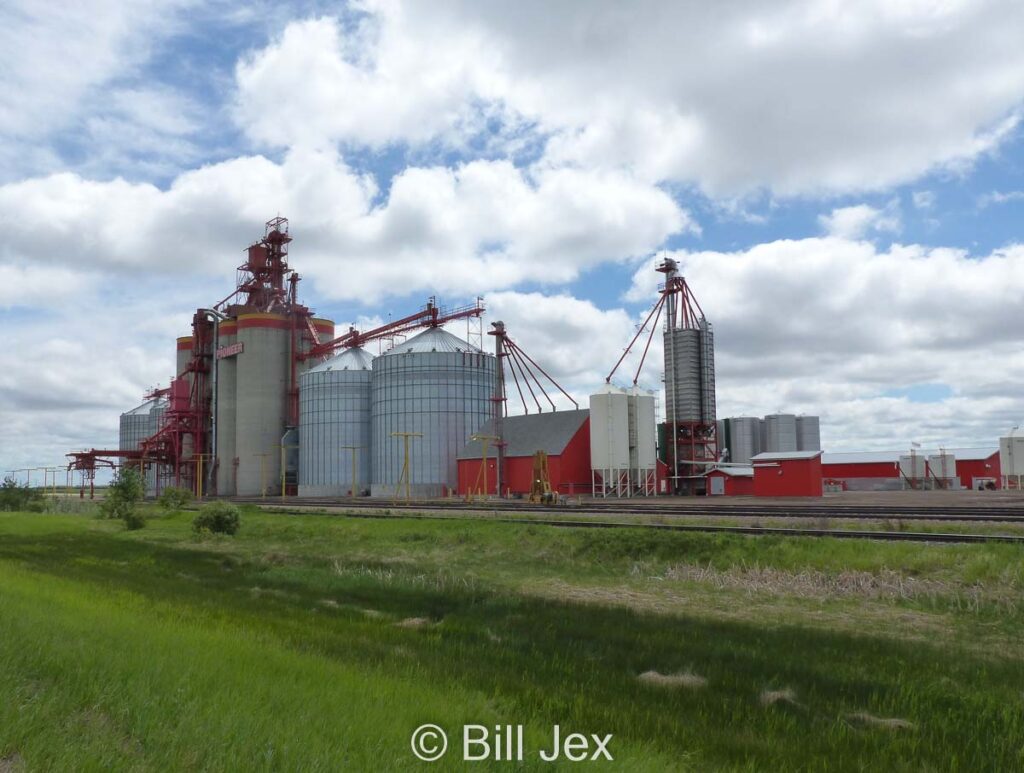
x: 1011, y: 456
x: 913, y: 466
x: 609, y: 429
x: 226, y: 362
x: 334, y: 413
x: 643, y: 451
x: 942, y: 466
x: 260, y: 401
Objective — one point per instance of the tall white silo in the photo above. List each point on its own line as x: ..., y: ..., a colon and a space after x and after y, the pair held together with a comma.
x: 643, y: 452
x: 261, y: 392
x: 1011, y: 460
x: 609, y: 441
x: 225, y: 411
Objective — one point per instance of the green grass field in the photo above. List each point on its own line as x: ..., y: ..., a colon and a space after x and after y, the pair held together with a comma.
x: 321, y: 643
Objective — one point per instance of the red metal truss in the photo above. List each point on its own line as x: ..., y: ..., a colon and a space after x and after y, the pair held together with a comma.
x: 428, y: 316
x: 681, y: 309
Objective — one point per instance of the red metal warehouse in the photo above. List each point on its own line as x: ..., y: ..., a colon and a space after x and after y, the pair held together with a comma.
x: 788, y: 474
x: 564, y: 435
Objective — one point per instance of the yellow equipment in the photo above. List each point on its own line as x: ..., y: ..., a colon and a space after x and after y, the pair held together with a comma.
x: 540, y: 490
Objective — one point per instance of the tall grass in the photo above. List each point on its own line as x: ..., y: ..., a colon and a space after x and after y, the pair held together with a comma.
x: 283, y: 649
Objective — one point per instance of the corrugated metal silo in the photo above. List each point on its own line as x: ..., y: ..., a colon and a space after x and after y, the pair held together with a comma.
x: 808, y: 433
x: 435, y: 384
x: 744, y: 439
x: 260, y: 400
x: 781, y: 431
x: 690, y: 374
x: 134, y: 426
x: 334, y: 412
x: 227, y: 385
x: 138, y: 424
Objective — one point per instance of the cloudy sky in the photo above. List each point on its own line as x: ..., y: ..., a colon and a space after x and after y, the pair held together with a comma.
x: 842, y: 182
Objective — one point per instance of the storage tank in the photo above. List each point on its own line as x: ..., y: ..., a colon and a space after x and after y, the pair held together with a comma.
x: 942, y: 469
x: 134, y: 426
x: 334, y: 412
x: 435, y: 384
x: 690, y: 374
x: 1011, y: 460
x: 610, y: 440
x: 261, y: 374
x: 138, y: 424
x: 808, y: 433
x: 184, y: 354
x: 781, y: 432
x: 744, y: 438
x: 643, y: 453
x: 226, y: 362
x: 912, y: 468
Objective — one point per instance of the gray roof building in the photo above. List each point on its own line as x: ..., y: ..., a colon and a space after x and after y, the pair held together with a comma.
x: 525, y: 435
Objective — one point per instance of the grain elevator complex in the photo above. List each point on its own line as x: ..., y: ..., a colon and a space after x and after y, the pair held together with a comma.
x: 266, y: 399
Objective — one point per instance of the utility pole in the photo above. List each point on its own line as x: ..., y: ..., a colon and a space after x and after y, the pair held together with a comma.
x: 485, y: 441
x: 406, y: 472
x: 354, y: 450
x: 263, y: 473
x: 499, y: 401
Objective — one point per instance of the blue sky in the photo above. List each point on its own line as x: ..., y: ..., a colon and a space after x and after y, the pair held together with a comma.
x: 842, y: 184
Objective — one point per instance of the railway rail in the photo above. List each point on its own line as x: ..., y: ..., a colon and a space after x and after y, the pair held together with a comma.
x: 986, y: 514
x: 411, y: 511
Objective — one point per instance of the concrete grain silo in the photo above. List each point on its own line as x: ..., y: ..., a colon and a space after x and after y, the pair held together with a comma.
x: 224, y: 430
x: 260, y: 400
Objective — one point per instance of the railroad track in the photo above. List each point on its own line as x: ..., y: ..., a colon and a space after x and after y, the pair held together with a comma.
x: 885, y: 536
x: 987, y: 514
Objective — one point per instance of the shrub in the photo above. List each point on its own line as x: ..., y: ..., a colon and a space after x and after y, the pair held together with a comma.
x: 174, y: 498
x: 217, y: 518
x: 18, y: 496
x: 124, y: 493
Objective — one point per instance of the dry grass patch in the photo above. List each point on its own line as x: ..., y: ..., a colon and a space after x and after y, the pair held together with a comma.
x: 687, y: 680
x: 415, y: 622
x: 886, y: 723
x: 785, y: 695
x: 885, y: 585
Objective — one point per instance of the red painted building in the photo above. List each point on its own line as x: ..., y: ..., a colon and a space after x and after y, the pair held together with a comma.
x: 788, y: 474
x: 731, y: 482
x: 564, y: 435
x: 880, y: 470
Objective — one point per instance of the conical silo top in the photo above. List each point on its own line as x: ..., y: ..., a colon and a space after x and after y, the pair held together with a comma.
x: 433, y: 340
x: 355, y: 358
x: 142, y: 410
